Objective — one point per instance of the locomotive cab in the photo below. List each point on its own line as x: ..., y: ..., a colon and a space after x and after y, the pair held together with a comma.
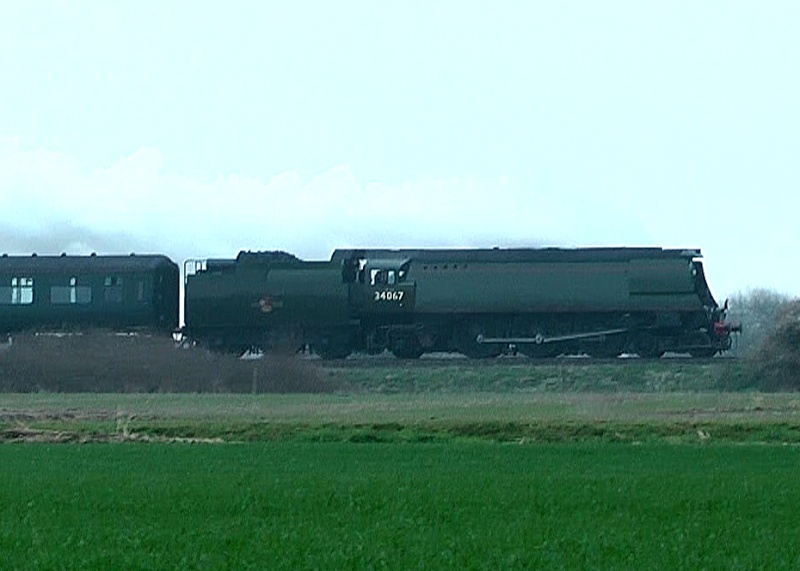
x: 381, y: 285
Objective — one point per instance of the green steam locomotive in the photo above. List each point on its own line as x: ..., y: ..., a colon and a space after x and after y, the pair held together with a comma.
x: 479, y: 302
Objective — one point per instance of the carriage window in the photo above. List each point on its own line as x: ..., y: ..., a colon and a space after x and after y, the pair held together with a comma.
x: 112, y: 289
x: 376, y: 277
x: 71, y: 294
x: 391, y: 278
x: 20, y: 292
x: 83, y: 295
x: 59, y: 295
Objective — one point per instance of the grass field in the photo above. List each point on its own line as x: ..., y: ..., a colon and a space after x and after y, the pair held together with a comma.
x: 509, y: 468
x: 459, y: 505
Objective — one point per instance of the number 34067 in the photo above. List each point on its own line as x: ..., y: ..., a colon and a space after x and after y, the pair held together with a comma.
x: 389, y: 295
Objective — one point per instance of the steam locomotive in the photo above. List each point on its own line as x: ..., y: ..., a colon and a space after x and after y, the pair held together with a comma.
x: 479, y: 302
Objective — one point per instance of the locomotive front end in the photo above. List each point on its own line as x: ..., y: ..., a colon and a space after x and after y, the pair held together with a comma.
x: 720, y: 330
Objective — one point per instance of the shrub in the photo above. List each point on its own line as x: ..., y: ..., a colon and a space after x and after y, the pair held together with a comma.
x: 775, y: 365
x: 759, y: 311
x: 99, y: 361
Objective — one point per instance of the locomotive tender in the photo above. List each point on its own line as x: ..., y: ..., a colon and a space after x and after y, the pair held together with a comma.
x: 479, y: 302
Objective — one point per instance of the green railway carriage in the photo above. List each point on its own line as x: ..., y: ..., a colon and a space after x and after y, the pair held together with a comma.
x: 480, y: 302
x: 68, y: 292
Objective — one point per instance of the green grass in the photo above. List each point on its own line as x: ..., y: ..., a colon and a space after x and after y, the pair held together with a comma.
x: 516, y: 374
x: 511, y: 467
x: 414, y: 417
x: 460, y: 505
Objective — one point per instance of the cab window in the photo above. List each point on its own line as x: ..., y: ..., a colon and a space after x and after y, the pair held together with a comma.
x: 379, y: 277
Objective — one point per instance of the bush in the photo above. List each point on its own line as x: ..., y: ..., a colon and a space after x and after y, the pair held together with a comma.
x: 99, y: 361
x: 775, y: 366
x: 758, y: 311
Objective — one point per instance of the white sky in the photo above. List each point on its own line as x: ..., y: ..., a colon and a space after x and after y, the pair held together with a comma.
x: 197, y: 129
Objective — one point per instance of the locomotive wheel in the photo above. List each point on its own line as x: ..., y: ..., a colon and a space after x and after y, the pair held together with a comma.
x: 604, y: 353
x: 481, y: 351
x: 609, y: 349
x: 474, y: 350
x: 644, y: 344
x: 406, y: 347
x: 467, y: 342
x: 700, y: 346
x: 541, y: 351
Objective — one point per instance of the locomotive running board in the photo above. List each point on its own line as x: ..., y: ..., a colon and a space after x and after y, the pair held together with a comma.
x: 541, y: 339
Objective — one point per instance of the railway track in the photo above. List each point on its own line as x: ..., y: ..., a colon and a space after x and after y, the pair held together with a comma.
x: 434, y: 361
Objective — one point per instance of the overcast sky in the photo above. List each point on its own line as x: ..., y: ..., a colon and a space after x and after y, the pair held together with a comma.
x: 198, y: 129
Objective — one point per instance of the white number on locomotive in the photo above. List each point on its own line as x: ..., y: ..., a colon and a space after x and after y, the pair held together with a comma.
x: 389, y: 295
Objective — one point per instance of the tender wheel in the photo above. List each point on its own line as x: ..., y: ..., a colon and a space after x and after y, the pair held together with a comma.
x: 333, y: 347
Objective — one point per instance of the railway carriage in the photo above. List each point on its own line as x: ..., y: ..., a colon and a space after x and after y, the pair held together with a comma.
x: 76, y: 292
